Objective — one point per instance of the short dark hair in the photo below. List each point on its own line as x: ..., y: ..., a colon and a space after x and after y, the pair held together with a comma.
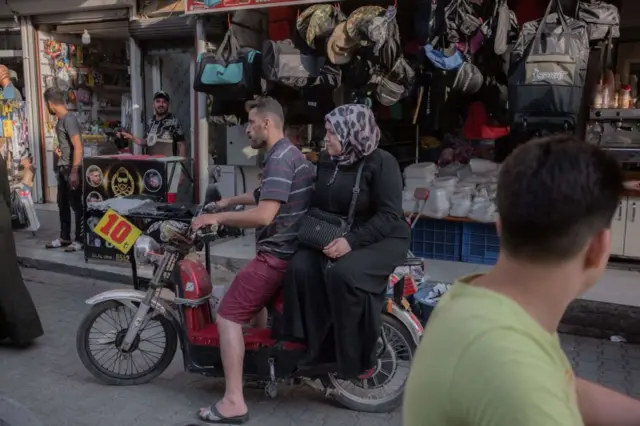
x: 54, y: 95
x: 554, y: 194
x: 267, y: 105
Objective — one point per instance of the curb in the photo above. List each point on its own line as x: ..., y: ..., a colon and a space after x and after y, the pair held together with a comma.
x: 77, y: 271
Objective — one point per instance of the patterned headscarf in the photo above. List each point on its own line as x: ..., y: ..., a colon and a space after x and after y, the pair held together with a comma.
x: 356, y: 129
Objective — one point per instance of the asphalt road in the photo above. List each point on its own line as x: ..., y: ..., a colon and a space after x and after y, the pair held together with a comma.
x: 49, y: 379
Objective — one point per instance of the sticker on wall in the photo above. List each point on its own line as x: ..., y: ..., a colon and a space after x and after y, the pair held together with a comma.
x: 94, y: 197
x: 80, y: 55
x: 7, y: 128
x: 95, y: 178
x: 152, y: 180
x: 122, y: 183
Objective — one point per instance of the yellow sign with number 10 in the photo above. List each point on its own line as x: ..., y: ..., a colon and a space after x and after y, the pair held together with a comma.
x: 118, y: 231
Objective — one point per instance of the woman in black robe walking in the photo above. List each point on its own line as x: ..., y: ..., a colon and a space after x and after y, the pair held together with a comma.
x: 19, y: 321
x: 333, y: 298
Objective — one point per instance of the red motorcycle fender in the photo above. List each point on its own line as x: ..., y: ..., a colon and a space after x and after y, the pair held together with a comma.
x: 407, y: 318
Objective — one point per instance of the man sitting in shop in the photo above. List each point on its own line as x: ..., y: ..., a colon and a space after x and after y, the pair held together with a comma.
x: 490, y: 355
x: 164, y: 134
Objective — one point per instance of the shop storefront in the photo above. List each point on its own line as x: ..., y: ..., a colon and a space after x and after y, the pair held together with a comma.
x: 447, y: 136
x: 90, y: 63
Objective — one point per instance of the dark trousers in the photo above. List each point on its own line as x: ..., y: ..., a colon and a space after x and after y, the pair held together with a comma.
x: 69, y: 198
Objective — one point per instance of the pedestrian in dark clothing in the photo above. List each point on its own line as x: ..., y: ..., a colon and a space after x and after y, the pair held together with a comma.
x: 333, y: 297
x: 68, y: 171
x: 19, y: 321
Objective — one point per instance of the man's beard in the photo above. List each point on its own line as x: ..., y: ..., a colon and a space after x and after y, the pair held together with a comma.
x: 257, y: 143
x: 161, y: 111
x: 51, y: 111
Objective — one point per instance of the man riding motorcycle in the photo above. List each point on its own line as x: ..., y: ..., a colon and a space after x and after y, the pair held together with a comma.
x: 281, y: 199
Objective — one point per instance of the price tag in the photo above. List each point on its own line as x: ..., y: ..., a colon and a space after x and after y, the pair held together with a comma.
x: 118, y: 231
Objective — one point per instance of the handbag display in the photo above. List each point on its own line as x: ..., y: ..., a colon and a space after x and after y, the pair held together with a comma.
x: 319, y: 228
x: 283, y: 63
x: 548, y: 70
x: 230, y: 74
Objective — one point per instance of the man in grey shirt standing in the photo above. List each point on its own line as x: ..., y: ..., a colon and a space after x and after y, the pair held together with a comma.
x: 68, y: 171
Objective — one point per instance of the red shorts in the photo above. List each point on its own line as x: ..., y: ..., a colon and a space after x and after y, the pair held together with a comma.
x: 253, y: 288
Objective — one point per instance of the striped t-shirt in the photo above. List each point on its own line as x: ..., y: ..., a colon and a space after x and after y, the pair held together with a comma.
x: 287, y: 177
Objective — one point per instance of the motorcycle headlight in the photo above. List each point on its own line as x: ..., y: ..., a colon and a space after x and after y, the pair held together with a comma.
x: 145, y: 249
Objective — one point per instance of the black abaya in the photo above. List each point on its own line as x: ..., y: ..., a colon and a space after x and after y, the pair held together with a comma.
x: 335, y: 306
x: 19, y: 319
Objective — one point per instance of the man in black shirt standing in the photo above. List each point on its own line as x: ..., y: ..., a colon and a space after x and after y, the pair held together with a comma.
x: 68, y: 171
x: 164, y: 134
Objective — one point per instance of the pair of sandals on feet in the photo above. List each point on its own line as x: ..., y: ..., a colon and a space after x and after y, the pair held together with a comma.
x: 69, y: 246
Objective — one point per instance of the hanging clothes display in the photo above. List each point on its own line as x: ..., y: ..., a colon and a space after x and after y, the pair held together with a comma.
x: 14, y: 137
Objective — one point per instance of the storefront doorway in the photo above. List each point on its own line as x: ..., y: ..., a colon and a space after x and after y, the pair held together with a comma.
x: 94, y: 73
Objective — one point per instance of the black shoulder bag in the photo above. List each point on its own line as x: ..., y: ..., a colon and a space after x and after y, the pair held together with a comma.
x: 319, y: 228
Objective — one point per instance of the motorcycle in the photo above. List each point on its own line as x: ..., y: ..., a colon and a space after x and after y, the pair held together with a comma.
x: 143, y: 330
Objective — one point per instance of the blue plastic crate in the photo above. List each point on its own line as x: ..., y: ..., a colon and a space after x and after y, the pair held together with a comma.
x: 437, y: 239
x: 480, y: 243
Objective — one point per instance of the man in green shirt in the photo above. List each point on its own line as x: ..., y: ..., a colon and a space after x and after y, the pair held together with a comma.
x: 490, y: 355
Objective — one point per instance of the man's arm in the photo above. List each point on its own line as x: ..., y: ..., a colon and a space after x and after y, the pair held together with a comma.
x: 277, y: 177
x: 240, y: 200
x: 603, y: 407
x: 178, y: 138
x: 72, y: 127
x: 257, y: 217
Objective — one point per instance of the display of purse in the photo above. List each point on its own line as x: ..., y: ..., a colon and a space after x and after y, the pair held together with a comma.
x: 319, y: 228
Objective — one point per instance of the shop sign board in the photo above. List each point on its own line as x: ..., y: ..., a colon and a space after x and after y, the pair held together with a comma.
x: 194, y: 7
x: 117, y: 231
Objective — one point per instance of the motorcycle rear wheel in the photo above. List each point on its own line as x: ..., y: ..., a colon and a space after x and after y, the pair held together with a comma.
x: 91, y: 362
x: 349, y: 399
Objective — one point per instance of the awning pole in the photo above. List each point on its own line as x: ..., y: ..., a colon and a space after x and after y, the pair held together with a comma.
x: 203, y: 125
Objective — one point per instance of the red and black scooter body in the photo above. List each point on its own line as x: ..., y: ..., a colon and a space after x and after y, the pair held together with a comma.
x: 201, y: 342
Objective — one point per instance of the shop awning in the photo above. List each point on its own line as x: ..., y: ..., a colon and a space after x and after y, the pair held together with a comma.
x: 40, y: 7
x: 194, y: 7
x: 102, y: 30
x: 172, y: 27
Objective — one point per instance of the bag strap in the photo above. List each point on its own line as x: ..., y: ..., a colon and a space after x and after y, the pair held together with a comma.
x: 234, y: 46
x: 354, y: 197
x: 605, y: 54
x: 563, y: 21
x: 223, y: 46
x: 229, y: 47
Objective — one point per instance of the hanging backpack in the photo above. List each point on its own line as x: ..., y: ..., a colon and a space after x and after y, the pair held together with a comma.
x: 548, y: 70
x: 285, y: 64
x: 229, y: 74
x: 602, y: 19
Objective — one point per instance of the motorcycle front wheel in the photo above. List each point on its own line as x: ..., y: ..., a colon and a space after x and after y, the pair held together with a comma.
x: 382, y: 390
x: 99, y: 341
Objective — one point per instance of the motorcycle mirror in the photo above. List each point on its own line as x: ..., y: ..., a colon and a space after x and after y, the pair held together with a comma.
x: 212, y: 195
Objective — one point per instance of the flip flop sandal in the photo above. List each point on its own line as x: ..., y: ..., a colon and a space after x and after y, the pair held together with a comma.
x: 57, y: 243
x: 73, y: 247
x: 213, y: 416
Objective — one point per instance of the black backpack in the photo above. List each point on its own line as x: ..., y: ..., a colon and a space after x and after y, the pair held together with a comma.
x: 548, y: 71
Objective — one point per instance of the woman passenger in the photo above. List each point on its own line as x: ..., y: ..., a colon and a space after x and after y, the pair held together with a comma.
x: 333, y: 298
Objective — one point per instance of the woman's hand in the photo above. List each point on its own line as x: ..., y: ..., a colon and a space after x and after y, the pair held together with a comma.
x: 632, y: 185
x: 337, y: 248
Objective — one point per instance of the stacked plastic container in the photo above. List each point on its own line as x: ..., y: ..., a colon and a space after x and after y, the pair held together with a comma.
x: 416, y: 176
